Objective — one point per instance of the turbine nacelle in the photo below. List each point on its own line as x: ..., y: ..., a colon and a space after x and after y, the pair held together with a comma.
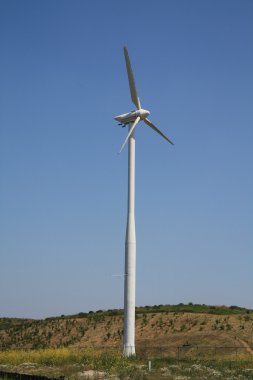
x: 130, y: 117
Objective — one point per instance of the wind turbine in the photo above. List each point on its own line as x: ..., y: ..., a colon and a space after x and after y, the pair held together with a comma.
x: 132, y: 119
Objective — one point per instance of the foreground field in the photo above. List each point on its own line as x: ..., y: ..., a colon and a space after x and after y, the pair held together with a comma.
x: 83, y: 364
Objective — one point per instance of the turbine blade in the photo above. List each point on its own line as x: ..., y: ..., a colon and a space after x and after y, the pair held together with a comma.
x: 151, y: 125
x: 130, y: 132
x: 132, y: 86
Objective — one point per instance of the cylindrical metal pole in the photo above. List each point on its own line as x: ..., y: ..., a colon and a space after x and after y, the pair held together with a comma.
x: 130, y: 256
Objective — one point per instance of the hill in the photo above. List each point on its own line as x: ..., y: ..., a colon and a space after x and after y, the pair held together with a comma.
x: 163, y: 327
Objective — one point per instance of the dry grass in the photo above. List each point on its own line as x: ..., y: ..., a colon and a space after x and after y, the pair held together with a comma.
x: 62, y: 356
x: 73, y: 363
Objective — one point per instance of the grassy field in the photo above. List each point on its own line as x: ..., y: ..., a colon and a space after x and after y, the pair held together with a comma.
x: 75, y: 364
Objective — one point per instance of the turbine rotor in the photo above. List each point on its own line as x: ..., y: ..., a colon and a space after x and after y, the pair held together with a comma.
x: 140, y: 114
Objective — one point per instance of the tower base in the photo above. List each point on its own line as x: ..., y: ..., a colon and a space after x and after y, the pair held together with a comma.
x: 129, y: 350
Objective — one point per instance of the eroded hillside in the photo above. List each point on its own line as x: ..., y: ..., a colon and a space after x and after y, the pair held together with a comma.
x: 155, y: 328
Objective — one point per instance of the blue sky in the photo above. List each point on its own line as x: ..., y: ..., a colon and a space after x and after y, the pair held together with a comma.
x: 63, y: 186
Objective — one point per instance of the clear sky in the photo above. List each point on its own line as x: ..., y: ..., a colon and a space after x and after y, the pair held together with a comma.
x: 63, y: 185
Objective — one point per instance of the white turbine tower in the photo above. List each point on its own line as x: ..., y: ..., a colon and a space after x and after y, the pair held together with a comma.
x: 132, y: 119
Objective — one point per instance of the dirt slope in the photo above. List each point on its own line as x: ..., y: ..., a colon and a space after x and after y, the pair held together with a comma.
x: 155, y: 330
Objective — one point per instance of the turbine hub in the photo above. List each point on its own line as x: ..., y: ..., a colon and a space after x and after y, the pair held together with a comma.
x: 143, y: 113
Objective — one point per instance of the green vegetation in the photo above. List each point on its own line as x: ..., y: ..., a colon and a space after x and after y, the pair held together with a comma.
x: 191, y: 308
x: 180, y: 308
